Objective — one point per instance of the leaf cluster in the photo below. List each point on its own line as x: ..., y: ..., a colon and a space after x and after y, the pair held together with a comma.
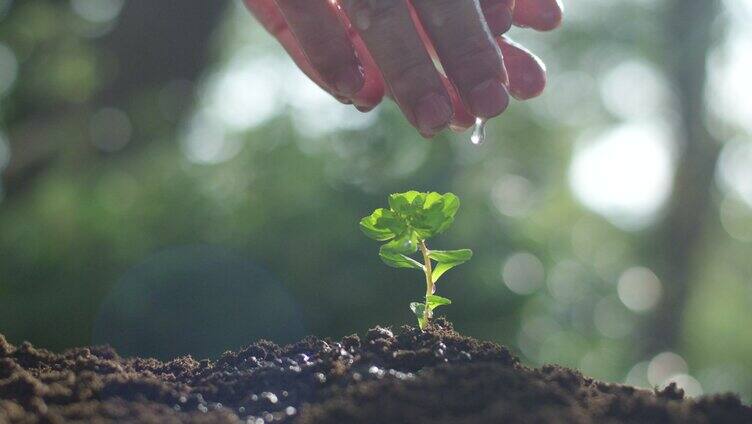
x: 412, y: 218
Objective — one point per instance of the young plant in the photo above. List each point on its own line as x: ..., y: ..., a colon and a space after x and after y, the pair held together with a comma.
x: 411, y: 219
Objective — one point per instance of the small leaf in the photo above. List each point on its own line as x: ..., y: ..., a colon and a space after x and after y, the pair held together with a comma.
x: 461, y: 255
x: 428, y: 222
x: 431, y: 199
x: 406, y: 244
x: 403, y: 202
x: 395, y: 253
x: 448, y: 259
x: 451, y: 205
x: 436, y: 215
x: 383, y: 224
x: 372, y: 228
x: 434, y: 301
x: 398, y: 260
x: 419, y: 311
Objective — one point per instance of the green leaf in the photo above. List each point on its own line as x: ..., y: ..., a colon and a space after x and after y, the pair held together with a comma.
x: 434, y: 301
x: 395, y: 253
x: 398, y: 260
x: 431, y: 199
x: 448, y: 259
x: 451, y: 205
x: 461, y: 255
x: 427, y: 222
x: 419, y: 310
x: 403, y: 202
x: 406, y: 244
x: 436, y: 214
x: 372, y: 228
x: 382, y: 225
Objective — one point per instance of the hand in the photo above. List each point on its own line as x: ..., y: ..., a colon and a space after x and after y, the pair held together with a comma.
x: 361, y: 50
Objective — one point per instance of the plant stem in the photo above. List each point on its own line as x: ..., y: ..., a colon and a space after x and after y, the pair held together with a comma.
x: 429, y: 279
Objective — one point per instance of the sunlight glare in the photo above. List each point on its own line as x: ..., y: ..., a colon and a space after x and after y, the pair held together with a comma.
x: 624, y: 174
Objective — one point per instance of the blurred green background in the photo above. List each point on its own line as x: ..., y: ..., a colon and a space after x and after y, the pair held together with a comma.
x: 172, y: 184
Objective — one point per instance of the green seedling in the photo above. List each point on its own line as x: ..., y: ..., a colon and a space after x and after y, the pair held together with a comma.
x: 411, y: 219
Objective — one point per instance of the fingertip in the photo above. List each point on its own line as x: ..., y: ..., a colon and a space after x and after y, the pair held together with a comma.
x: 488, y: 99
x: 541, y: 15
x: 499, y: 18
x: 372, y: 92
x: 373, y: 88
x: 432, y: 113
x: 348, y: 80
x: 527, y: 73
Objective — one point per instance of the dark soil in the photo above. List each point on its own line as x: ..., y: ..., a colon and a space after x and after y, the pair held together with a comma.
x: 409, y: 377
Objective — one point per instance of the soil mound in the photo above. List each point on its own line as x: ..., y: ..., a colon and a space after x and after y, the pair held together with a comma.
x: 437, y: 376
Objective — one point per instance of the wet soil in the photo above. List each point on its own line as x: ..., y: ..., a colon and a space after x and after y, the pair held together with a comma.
x: 407, y: 376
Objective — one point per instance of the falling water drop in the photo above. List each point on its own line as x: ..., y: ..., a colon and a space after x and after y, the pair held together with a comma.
x: 479, y: 132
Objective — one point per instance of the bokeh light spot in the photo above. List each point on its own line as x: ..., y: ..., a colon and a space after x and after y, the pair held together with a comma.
x: 735, y: 169
x: 566, y: 282
x: 634, y: 89
x: 624, y: 174
x: 639, y: 289
x: 8, y: 69
x: 665, y: 365
x: 4, y: 152
x: 611, y: 318
x: 523, y: 273
x: 513, y: 196
x: 97, y: 11
x: 686, y: 382
x: 110, y: 129
x: 736, y: 218
x: 638, y: 375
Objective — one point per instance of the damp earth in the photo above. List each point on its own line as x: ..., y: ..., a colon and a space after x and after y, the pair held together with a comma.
x: 402, y: 376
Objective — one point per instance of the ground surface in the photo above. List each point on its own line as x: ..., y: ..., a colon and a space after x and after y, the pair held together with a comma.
x: 407, y: 377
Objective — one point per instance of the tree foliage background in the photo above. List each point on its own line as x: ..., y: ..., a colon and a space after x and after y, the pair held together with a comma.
x: 171, y: 184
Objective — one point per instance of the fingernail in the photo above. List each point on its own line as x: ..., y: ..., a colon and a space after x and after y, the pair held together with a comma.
x: 364, y: 109
x: 432, y: 114
x: 349, y: 80
x: 488, y: 99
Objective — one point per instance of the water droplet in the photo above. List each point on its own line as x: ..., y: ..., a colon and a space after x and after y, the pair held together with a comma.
x: 479, y: 132
x: 271, y: 397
